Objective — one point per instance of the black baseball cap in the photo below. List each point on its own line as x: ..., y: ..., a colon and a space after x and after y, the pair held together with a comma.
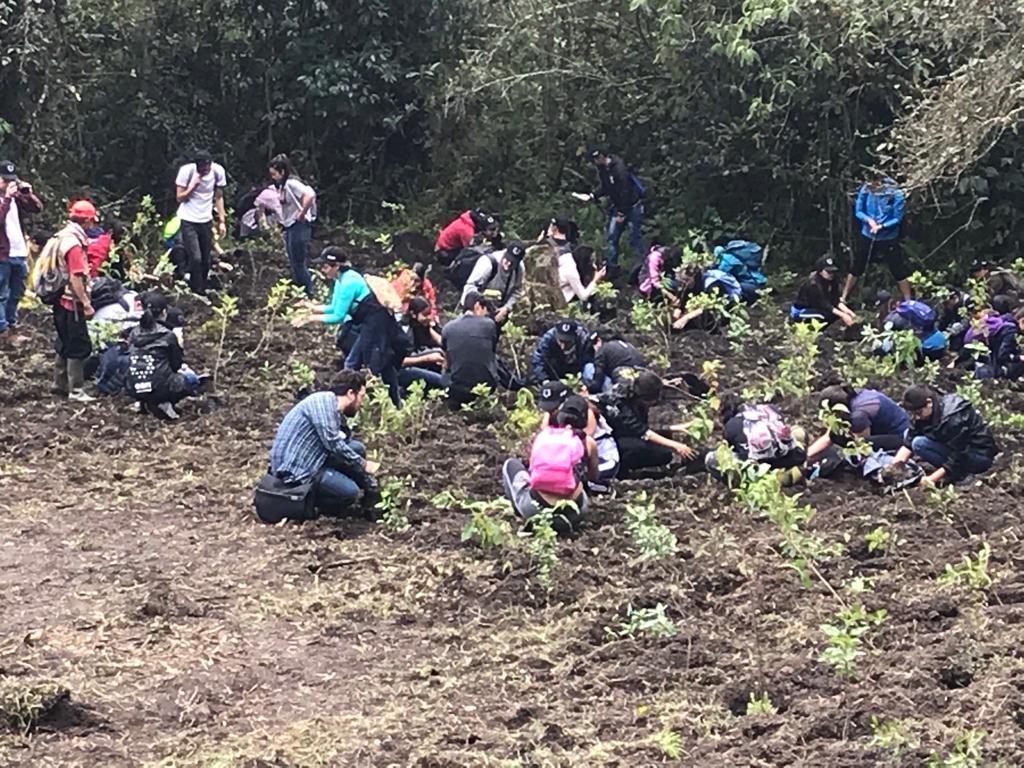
x: 332, y: 254
x: 562, y: 223
x: 552, y: 394
x: 566, y: 331
x: 573, y: 412
x: 596, y: 152
x: 979, y: 264
x: 202, y: 157
x: 8, y: 171
x: 826, y: 264
x: 515, y: 252
x: 881, y: 298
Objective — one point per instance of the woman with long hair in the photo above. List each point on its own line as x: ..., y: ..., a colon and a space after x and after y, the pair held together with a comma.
x: 298, y: 212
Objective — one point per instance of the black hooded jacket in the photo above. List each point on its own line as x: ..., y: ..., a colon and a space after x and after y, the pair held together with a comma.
x: 154, y: 357
x: 956, y: 424
x: 617, y: 184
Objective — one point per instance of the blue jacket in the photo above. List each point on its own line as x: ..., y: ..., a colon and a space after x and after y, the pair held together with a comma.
x: 884, y: 206
x: 550, y: 363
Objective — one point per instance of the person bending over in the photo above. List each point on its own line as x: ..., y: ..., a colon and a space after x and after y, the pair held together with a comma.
x: 498, y: 277
x: 759, y: 433
x: 627, y: 410
x: 872, y: 416
x: 470, y: 344
x: 563, y: 457
x: 563, y: 350
x: 948, y: 433
x: 314, y: 441
x: 817, y: 298
x: 610, y: 352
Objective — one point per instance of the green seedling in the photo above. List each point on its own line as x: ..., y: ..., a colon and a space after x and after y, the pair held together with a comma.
x: 966, y: 752
x: 892, y: 735
x: 653, y: 539
x: 393, y: 507
x: 845, y: 637
x: 760, y: 705
x: 645, y: 622
x: 970, y: 572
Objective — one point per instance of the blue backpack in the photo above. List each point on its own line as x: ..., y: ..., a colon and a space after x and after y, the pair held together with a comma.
x: 920, y: 316
x: 742, y: 259
x: 638, y: 185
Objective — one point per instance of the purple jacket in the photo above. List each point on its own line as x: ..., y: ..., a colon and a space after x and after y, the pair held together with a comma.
x: 27, y: 205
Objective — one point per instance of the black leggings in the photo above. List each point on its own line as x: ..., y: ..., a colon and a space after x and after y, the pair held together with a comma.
x: 638, y: 453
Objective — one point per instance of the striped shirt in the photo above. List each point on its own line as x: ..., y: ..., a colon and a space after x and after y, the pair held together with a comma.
x: 312, y: 432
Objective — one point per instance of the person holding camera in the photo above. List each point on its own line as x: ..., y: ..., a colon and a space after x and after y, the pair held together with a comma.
x: 16, y: 201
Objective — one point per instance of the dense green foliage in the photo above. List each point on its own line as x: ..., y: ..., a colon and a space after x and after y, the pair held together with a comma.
x: 751, y: 117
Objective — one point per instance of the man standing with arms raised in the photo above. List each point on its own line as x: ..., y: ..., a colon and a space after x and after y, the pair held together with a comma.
x: 200, y: 188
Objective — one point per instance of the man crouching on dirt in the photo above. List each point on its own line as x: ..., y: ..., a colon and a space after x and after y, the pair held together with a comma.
x: 314, y: 446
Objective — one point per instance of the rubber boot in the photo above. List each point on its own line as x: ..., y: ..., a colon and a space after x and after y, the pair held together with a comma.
x: 60, y: 375
x: 76, y: 382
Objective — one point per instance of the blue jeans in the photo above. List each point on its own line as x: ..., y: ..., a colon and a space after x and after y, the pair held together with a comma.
x: 336, y: 490
x: 5, y: 292
x: 634, y: 219
x: 296, y: 243
x: 360, y: 355
x: 937, y: 454
x: 409, y: 374
x: 18, y: 277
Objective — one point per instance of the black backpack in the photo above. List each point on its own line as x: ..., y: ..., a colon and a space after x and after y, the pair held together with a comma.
x: 461, y: 268
x: 243, y: 203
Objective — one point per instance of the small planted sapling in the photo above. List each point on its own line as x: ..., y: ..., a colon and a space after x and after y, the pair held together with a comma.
x: 280, y: 305
x: 521, y: 423
x: 966, y: 752
x: 644, y: 622
x: 971, y: 571
x: 845, y: 637
x: 224, y: 312
x: 488, y: 532
x: 543, y: 545
x: 653, y: 539
x: 393, y: 507
x: 760, y: 705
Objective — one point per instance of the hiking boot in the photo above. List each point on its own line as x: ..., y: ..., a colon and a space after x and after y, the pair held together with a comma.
x: 60, y: 376
x: 80, y: 396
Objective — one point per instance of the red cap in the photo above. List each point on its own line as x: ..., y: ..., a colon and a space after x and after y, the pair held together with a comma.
x: 82, y: 209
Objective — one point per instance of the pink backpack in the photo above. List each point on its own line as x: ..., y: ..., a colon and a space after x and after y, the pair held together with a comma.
x: 553, y: 459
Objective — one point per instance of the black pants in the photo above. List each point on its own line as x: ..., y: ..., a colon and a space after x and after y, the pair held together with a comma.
x: 890, y: 252
x: 638, y: 453
x: 72, y: 333
x: 198, y: 242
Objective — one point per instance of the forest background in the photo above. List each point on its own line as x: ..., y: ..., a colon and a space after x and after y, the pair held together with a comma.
x: 751, y: 118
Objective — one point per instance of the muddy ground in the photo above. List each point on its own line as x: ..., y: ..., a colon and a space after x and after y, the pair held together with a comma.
x: 166, y: 626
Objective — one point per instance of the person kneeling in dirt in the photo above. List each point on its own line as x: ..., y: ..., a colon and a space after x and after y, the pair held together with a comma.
x: 314, y: 453
x: 610, y: 353
x: 759, y: 433
x: 157, y: 377
x: 563, y: 350
x: 948, y: 433
x: 563, y: 457
x: 817, y: 298
x: 627, y: 410
x: 872, y: 416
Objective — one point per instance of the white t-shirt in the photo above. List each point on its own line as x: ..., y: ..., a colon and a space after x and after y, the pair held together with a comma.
x: 198, y: 209
x: 14, y: 234
x: 291, y: 201
x: 569, y: 280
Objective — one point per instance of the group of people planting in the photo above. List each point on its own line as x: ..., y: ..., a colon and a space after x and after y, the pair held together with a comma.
x: 597, y: 392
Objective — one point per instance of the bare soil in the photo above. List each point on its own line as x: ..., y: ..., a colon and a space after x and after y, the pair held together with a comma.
x: 186, y: 633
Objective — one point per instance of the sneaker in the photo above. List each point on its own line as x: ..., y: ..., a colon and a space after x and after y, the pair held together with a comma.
x: 167, y: 411
x: 80, y: 396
